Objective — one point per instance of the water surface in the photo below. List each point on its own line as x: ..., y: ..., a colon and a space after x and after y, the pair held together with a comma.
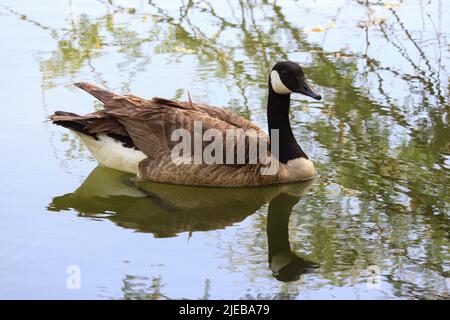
x: 374, y: 224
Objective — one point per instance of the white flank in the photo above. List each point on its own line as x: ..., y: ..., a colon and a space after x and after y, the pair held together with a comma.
x: 277, y: 85
x: 112, y: 154
x: 302, y: 168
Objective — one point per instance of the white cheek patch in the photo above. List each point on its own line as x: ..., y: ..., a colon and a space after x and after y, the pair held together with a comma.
x: 277, y: 85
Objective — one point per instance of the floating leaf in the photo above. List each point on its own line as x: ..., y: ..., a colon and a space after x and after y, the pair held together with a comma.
x: 315, y: 29
x: 330, y: 25
x: 390, y: 5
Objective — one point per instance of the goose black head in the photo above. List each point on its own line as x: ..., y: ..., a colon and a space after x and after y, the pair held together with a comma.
x: 287, y: 77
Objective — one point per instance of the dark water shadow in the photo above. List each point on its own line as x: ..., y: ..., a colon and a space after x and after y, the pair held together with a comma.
x: 167, y: 210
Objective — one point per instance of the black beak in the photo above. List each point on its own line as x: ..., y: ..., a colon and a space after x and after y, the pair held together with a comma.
x: 306, y: 89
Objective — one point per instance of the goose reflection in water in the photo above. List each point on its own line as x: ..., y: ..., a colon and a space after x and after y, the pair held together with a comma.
x: 167, y: 210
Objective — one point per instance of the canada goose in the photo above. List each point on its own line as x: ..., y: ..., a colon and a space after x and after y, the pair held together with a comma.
x: 134, y: 135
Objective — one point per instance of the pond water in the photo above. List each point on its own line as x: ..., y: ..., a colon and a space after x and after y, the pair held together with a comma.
x: 373, y: 225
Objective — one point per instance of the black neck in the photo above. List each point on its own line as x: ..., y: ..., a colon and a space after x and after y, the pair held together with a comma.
x: 278, y: 118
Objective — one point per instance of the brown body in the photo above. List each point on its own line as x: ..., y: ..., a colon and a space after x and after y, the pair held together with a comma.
x: 147, y: 125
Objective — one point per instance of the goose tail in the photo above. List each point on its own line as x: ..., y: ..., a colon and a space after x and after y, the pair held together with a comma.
x: 103, y: 95
x: 71, y: 121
